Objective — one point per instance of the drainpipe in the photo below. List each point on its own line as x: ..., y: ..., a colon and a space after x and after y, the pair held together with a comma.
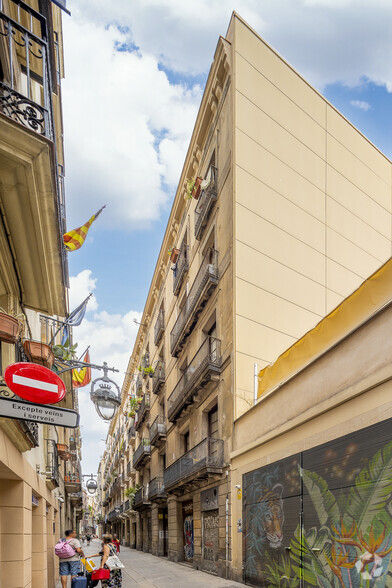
x: 227, y: 527
x: 255, y: 381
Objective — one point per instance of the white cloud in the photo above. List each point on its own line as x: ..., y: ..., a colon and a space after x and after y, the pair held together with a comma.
x: 111, y: 338
x: 361, y: 104
x: 118, y: 107
x: 80, y: 287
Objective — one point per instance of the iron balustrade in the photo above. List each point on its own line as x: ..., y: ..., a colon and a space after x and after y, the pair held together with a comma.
x: 139, y: 383
x: 156, y: 489
x: 205, y: 281
x: 205, y: 203
x: 144, y: 407
x: 52, y: 471
x: 126, y: 505
x: 141, y: 497
x: 204, y: 365
x: 158, y: 379
x: 203, y: 460
x: 141, y: 453
x: 159, y: 327
x: 131, y: 432
x: 181, y: 268
x: 25, y: 92
x: 157, y: 430
x: 130, y: 469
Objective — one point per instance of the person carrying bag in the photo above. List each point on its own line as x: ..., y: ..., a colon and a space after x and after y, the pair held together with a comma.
x: 110, y: 562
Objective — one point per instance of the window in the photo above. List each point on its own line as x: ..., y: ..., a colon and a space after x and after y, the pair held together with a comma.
x: 213, y: 344
x: 185, y: 442
x: 213, y: 431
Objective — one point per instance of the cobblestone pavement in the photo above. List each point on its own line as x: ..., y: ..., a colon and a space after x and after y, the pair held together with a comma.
x: 143, y: 570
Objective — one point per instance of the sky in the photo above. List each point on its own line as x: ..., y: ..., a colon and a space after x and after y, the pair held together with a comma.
x: 135, y: 74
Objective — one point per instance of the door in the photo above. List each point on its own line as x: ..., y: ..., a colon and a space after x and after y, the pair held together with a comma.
x: 165, y: 533
x: 187, y: 515
x: 211, y: 541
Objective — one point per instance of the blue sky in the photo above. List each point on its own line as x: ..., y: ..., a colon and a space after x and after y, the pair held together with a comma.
x: 134, y: 81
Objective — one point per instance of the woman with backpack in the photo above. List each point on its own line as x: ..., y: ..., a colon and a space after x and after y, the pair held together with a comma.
x: 109, y: 549
x: 68, y: 551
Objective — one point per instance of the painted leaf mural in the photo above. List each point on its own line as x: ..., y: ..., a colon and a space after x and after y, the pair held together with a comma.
x: 323, y: 517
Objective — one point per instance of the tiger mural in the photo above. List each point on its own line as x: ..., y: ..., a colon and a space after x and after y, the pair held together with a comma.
x: 265, y: 519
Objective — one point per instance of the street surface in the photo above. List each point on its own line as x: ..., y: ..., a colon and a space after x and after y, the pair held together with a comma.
x: 143, y: 570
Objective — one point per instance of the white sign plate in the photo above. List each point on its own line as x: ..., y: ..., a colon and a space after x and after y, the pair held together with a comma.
x: 38, y: 413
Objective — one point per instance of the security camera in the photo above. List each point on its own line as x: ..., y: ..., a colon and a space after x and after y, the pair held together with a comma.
x: 60, y: 499
x: 238, y: 486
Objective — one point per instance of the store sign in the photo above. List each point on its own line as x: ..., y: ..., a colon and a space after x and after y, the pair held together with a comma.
x: 38, y: 413
x: 35, y: 383
x: 209, y: 499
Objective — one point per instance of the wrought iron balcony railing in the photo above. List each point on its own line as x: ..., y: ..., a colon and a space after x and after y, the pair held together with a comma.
x: 139, y: 383
x: 158, y: 379
x: 205, y: 203
x: 142, y: 453
x: 141, y: 498
x: 156, y: 489
x: 126, y: 505
x: 131, y: 433
x: 204, y: 460
x: 159, y: 327
x: 158, y: 430
x: 52, y: 471
x: 181, y: 269
x: 205, y: 366
x: 25, y: 87
x: 143, y: 409
x: 130, y: 469
x: 206, y: 280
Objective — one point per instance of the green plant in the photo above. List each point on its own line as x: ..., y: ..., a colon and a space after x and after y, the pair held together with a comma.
x: 64, y: 352
x: 189, y: 188
x: 149, y: 370
x: 130, y: 493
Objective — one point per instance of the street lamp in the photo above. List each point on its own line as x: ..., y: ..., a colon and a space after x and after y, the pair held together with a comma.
x: 106, y: 400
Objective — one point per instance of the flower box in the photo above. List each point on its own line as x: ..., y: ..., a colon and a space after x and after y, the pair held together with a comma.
x: 40, y: 353
x: 9, y: 328
x: 197, y: 188
x: 174, y: 255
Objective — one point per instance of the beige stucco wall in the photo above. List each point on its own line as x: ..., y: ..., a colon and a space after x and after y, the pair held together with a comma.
x: 312, y: 206
x: 348, y: 389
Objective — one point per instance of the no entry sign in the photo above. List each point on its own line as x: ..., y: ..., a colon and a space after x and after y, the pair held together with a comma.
x: 35, y: 383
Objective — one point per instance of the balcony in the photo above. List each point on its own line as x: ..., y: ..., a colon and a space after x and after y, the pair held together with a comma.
x: 205, y: 460
x: 158, y: 379
x: 21, y: 83
x: 76, y: 498
x: 159, y: 327
x: 156, y: 490
x: 181, y: 268
x: 72, y: 483
x: 205, y: 203
x: 52, y: 472
x: 139, y: 383
x: 158, y: 431
x: 143, y: 409
x: 142, y: 454
x: 126, y: 506
x: 203, y: 368
x: 205, y: 282
x: 141, y: 499
x: 131, y: 433
x: 130, y: 470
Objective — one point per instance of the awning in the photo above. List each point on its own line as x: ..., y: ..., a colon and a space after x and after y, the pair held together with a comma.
x: 370, y: 297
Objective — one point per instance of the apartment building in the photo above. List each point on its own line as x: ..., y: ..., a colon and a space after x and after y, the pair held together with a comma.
x: 40, y: 477
x: 282, y: 209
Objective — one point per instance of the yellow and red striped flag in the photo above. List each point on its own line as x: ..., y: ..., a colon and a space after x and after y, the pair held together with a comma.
x: 81, y: 377
x: 74, y: 239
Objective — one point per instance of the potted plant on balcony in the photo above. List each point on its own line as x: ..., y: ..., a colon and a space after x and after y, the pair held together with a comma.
x: 174, y: 252
x: 39, y: 352
x: 193, y: 188
x: 10, y: 327
x: 149, y: 371
x: 65, y: 352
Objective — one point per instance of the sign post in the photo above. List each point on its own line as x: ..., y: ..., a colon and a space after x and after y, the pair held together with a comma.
x: 38, y: 413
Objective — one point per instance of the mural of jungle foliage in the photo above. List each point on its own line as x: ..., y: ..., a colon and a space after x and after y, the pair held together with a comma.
x: 323, y: 517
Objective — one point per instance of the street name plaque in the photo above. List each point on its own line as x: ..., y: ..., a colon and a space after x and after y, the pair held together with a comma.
x: 38, y: 413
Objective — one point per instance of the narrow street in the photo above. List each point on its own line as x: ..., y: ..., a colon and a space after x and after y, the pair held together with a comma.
x: 144, y: 570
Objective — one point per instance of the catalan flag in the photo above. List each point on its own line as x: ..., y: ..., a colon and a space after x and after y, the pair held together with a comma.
x: 82, y: 376
x: 74, y: 239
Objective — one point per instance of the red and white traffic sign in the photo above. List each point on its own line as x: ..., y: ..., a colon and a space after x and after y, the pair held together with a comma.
x: 35, y: 383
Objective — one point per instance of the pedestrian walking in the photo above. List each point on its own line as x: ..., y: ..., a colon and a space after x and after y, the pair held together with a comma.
x: 69, y: 551
x: 109, y: 549
x: 116, y: 542
x: 88, y: 537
